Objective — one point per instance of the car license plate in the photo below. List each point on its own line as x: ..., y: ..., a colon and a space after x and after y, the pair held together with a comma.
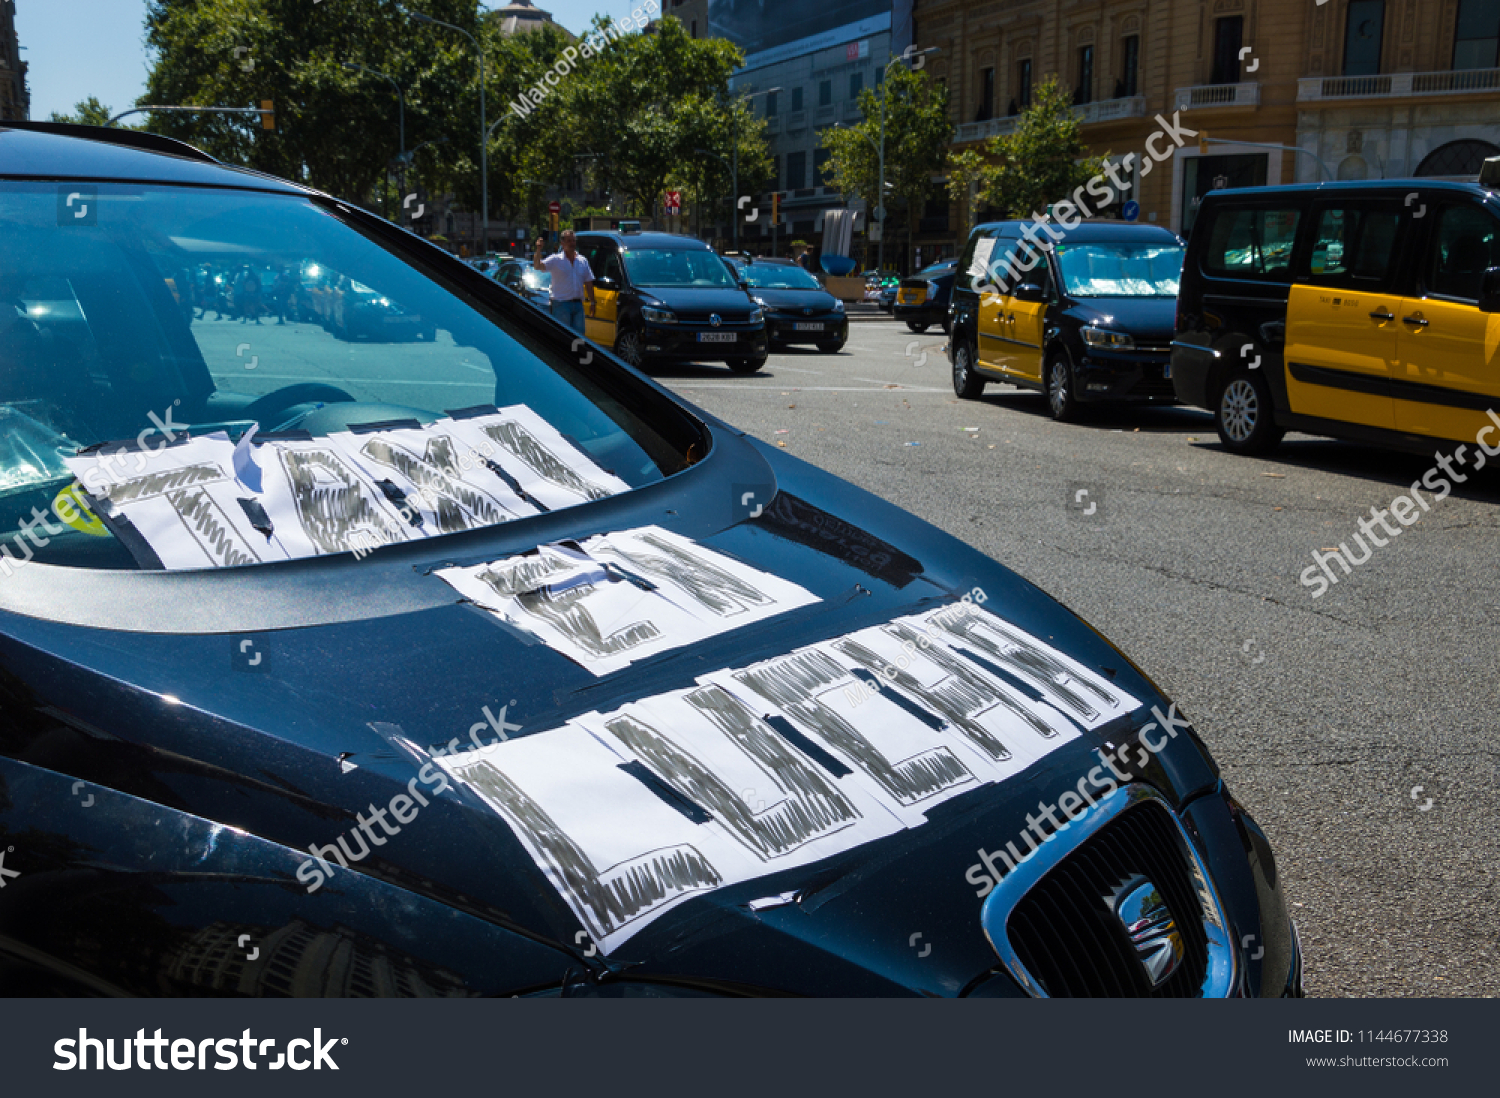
x: 809, y: 326
x: 909, y: 297
x: 716, y: 337
x: 1166, y: 371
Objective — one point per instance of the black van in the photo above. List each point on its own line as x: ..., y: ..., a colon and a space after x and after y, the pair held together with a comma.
x: 664, y: 296
x: 1357, y: 310
x: 1082, y: 313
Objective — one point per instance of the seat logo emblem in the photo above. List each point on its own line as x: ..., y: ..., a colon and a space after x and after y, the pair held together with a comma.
x: 1151, y: 928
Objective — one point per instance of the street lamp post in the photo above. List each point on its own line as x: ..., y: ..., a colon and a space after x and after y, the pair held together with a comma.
x: 484, y: 162
x: 350, y: 66
x: 885, y: 88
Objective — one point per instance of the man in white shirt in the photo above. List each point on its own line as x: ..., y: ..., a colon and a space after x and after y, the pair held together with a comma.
x: 572, y: 281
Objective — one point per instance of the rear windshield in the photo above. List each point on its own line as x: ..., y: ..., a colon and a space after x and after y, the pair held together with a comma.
x: 1251, y: 242
x: 229, y: 362
x: 774, y: 276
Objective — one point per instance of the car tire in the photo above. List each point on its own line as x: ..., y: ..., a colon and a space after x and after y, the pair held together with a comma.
x: 1062, y: 392
x: 748, y: 365
x: 832, y: 347
x: 916, y: 326
x: 966, y: 383
x: 628, y: 347
x: 1243, y: 414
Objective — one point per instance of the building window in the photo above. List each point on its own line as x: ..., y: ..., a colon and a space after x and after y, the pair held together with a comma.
x: 796, y: 170
x: 1130, y: 71
x: 1023, y: 83
x: 694, y: 32
x: 1084, y: 93
x: 820, y: 167
x: 856, y: 82
x: 986, y: 109
x: 1362, y: 36
x: 1477, y: 35
x: 825, y: 93
x: 1229, y: 32
x: 796, y: 99
x: 771, y: 105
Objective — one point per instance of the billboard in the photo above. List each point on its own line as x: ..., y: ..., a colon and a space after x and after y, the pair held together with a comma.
x: 762, y: 27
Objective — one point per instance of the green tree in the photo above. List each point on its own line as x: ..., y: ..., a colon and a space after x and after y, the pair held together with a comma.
x: 917, y: 132
x: 1040, y: 163
x: 89, y: 112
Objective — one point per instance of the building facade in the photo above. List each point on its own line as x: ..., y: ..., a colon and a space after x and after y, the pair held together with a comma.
x: 15, y: 98
x: 1277, y: 90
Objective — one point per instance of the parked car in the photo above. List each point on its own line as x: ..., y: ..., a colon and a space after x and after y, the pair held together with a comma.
x: 501, y: 670
x: 661, y: 296
x: 922, y: 300
x: 1356, y: 310
x: 1085, y: 319
x: 797, y: 308
x: 886, y: 291
x: 520, y: 276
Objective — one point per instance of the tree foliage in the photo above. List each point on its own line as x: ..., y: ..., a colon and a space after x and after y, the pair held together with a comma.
x: 1040, y: 163
x: 916, y: 131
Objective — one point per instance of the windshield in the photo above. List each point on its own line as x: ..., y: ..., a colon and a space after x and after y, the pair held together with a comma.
x: 677, y: 267
x: 174, y: 323
x: 1120, y: 269
x: 937, y: 270
x: 773, y: 276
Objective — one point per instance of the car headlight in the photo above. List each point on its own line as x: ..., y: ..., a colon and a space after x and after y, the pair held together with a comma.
x: 1103, y: 337
x: 658, y: 316
x: 838, y: 306
x: 757, y: 314
x: 932, y: 291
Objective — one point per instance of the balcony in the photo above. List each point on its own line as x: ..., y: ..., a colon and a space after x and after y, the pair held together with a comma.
x: 1218, y: 95
x: 1107, y: 110
x: 796, y: 120
x: 980, y: 131
x: 852, y: 113
x: 1398, y: 85
x: 822, y: 116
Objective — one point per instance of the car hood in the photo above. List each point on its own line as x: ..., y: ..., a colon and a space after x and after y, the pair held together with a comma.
x: 693, y: 301
x: 820, y: 301
x: 290, y: 702
x: 1148, y: 319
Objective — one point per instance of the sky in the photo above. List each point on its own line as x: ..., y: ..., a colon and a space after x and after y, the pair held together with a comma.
x: 79, y: 48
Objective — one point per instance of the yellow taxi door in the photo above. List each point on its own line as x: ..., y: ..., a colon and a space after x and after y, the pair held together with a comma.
x: 988, y: 283
x: 600, y: 325
x: 1342, y: 320
x: 1027, y: 321
x: 1447, y: 368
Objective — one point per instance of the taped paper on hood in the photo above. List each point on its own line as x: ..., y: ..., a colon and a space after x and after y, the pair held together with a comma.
x: 780, y: 764
x: 625, y: 596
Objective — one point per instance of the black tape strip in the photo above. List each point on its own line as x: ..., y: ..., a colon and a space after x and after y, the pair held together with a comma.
x: 1018, y: 684
x: 895, y: 697
x: 475, y: 412
x: 784, y: 729
x: 515, y: 486
x: 398, y: 497
x: 259, y: 520
x: 641, y: 773
x: 385, y: 425
x: 127, y: 535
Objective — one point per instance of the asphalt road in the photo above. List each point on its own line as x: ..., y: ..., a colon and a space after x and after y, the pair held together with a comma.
x: 1358, y: 727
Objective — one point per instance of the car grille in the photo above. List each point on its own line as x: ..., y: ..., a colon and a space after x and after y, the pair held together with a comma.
x: 1070, y: 941
x: 1152, y: 383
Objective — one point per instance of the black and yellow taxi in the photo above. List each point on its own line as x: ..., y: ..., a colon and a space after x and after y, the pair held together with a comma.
x: 1081, y: 311
x: 1368, y: 311
x: 922, y: 300
x: 661, y: 296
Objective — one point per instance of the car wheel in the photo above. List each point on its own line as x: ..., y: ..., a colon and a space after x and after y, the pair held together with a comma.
x: 966, y: 383
x: 917, y: 327
x: 1244, y: 417
x: 628, y: 347
x: 1061, y: 398
x: 831, y: 348
x: 747, y: 365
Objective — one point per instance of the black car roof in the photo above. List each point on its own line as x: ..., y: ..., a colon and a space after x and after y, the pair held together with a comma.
x: 648, y: 240
x: 1085, y: 231
x: 1354, y: 186
x: 57, y: 150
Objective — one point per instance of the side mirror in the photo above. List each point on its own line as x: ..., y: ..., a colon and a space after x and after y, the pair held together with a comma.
x: 1489, y: 291
x: 744, y: 285
x: 1029, y: 291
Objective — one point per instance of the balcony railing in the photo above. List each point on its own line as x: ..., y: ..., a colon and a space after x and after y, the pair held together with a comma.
x: 1219, y: 95
x: 796, y: 120
x: 1107, y: 110
x: 1398, y: 85
x: 980, y: 131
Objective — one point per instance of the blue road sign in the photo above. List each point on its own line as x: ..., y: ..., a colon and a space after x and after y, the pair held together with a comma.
x: 1131, y: 211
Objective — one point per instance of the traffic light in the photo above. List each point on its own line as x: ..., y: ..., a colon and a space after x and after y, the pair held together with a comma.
x: 267, y: 114
x: 1202, y: 142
